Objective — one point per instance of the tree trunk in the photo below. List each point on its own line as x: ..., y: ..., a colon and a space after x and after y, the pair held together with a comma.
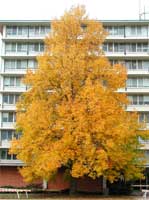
x: 45, y: 184
x: 73, y: 186
x: 104, y: 186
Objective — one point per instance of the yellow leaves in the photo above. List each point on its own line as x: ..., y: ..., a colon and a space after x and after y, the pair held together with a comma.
x: 72, y: 116
x: 110, y: 144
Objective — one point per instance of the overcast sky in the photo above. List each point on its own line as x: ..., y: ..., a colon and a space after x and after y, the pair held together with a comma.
x: 49, y: 9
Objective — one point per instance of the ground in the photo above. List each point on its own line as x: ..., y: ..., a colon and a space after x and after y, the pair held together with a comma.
x: 77, y: 197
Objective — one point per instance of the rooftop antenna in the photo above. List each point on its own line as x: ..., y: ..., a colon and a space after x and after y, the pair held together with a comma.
x: 142, y: 15
x: 139, y: 9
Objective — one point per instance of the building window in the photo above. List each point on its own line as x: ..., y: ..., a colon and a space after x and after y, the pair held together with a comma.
x: 133, y: 30
x: 145, y: 65
x: 11, y: 81
x: 10, y: 98
x: 115, y: 30
x: 116, y: 47
x: 144, y: 117
x: 20, y: 64
x: 32, y: 64
x: 138, y: 82
x: 133, y: 47
x: 10, y: 47
x: 126, y: 48
x: 105, y: 47
x: 11, y: 30
x: 137, y: 64
x: 9, y: 64
x: 22, y: 31
x: 4, y: 155
x: 37, y: 31
x: 8, y: 117
x: 22, y: 48
x: 139, y: 99
x: 17, y: 31
x: 8, y: 135
x: 136, y: 31
x: 110, y: 47
x: 36, y: 47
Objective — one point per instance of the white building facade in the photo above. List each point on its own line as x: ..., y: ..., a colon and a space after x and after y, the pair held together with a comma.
x: 128, y: 44
x: 22, y: 41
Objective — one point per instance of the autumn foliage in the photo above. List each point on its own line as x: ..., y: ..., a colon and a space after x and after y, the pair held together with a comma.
x: 72, y: 116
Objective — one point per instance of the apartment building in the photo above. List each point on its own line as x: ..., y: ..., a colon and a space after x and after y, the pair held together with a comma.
x: 128, y: 44
x: 22, y: 41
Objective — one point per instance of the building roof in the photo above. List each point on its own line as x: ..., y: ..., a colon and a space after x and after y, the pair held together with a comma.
x: 25, y: 22
x: 46, y: 22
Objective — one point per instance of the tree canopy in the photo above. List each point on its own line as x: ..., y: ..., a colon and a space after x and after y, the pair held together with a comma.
x: 72, y: 116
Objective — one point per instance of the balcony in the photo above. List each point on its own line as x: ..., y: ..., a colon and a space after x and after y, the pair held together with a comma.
x: 14, y: 71
x: 4, y: 162
x: 146, y: 127
x: 145, y: 146
x: 25, y: 54
x: 128, y: 38
x: 17, y: 71
x: 144, y: 143
x: 26, y: 32
x: 138, y: 72
x: 12, y: 38
x: 8, y: 107
x: 134, y: 90
x: 127, y: 54
x: 14, y: 88
x: 143, y: 108
x: 5, y: 144
x: 8, y: 125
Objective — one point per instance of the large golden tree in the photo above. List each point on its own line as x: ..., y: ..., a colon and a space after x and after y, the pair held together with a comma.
x: 72, y: 116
